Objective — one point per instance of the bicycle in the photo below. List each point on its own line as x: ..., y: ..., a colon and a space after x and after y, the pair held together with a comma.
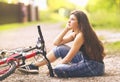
x: 17, y: 57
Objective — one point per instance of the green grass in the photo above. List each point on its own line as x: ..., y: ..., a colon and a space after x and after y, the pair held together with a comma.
x: 112, y: 48
x: 15, y: 25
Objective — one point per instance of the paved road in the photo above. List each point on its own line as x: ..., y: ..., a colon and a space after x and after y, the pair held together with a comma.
x: 25, y: 37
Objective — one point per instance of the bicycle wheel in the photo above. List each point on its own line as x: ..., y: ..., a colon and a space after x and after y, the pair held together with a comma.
x: 7, y: 69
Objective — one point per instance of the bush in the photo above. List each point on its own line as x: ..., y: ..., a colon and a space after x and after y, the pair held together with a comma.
x: 47, y: 16
x: 105, y: 20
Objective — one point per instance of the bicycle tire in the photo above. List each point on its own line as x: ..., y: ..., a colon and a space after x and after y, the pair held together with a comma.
x: 9, y: 71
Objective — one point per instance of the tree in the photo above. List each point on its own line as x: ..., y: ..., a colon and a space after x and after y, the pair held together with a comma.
x: 55, y: 5
x: 118, y: 5
x: 109, y: 5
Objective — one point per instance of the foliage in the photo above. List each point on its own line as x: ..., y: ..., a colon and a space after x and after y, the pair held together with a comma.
x: 6, y: 1
x: 55, y: 5
x: 108, y: 5
x: 105, y: 20
x: 48, y: 16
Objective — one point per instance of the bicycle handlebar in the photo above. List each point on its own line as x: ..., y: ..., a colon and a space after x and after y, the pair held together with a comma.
x: 40, y: 34
x: 44, y: 52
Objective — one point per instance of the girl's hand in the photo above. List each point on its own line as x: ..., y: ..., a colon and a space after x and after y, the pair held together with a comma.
x: 68, y: 27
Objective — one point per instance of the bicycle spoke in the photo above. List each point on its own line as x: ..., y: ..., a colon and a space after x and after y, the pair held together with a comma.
x: 7, y: 69
x: 4, y: 68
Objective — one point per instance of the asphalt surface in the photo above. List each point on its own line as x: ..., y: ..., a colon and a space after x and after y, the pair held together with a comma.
x: 27, y: 36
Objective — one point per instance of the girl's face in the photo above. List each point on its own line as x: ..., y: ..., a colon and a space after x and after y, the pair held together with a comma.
x: 73, y: 22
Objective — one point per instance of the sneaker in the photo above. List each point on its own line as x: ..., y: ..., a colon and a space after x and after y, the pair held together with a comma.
x: 32, y: 69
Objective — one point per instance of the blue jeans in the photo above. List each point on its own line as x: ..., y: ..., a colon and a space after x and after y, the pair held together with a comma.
x: 79, y: 66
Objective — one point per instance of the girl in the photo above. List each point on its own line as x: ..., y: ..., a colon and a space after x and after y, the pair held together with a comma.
x: 83, y: 58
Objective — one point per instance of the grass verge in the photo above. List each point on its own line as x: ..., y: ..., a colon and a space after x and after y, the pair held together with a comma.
x: 112, y: 48
x: 16, y: 25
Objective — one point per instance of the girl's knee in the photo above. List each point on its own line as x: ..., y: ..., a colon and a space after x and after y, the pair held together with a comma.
x: 61, y: 51
x: 63, y: 47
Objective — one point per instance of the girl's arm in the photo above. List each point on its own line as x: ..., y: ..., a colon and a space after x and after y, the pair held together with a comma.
x: 79, y: 40
x: 61, y: 39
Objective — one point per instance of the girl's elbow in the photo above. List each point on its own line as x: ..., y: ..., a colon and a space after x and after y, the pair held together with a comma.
x: 55, y: 44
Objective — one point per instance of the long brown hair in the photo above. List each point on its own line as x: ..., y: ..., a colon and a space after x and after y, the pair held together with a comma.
x: 93, y: 47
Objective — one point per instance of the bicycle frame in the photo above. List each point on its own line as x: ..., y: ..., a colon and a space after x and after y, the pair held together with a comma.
x: 19, y: 56
x: 23, y: 55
